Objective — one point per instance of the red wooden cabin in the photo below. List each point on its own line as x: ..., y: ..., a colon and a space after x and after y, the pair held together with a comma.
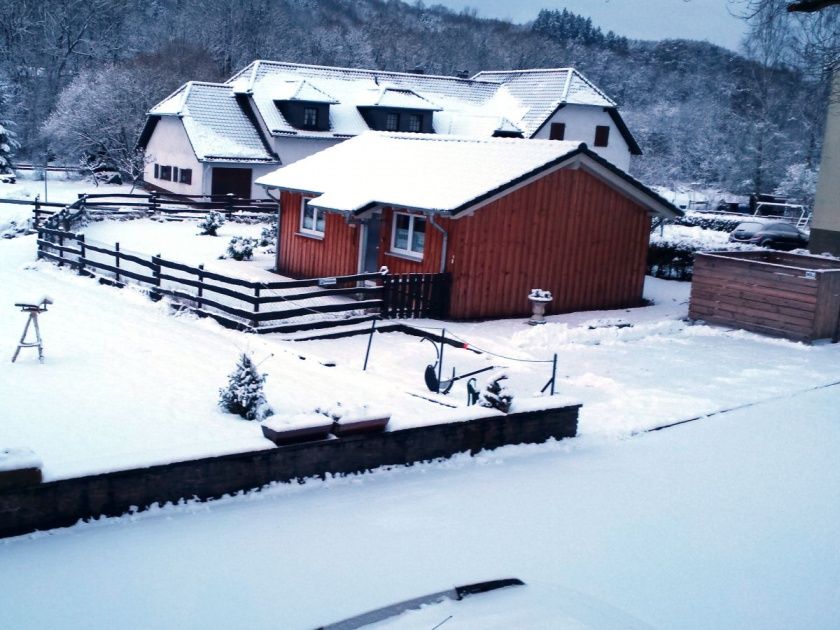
x: 502, y: 216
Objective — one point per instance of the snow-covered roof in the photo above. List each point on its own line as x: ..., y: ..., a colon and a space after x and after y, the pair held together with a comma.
x: 540, y: 92
x: 429, y: 172
x: 216, y: 124
x: 525, y: 98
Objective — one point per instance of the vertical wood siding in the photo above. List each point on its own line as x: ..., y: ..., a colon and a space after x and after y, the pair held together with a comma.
x: 304, y: 257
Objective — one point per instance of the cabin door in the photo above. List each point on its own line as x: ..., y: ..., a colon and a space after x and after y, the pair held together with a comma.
x: 231, y: 180
x: 373, y: 227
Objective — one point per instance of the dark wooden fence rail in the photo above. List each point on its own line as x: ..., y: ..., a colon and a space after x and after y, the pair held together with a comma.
x: 262, y: 307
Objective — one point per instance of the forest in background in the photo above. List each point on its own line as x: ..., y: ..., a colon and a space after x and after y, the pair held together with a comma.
x: 77, y: 76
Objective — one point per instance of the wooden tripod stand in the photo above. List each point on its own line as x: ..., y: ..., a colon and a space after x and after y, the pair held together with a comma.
x: 34, y: 310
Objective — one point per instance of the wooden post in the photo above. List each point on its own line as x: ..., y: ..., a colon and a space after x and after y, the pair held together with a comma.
x: 39, y: 247
x: 82, y: 253
x: 154, y: 204
x: 154, y: 294
x: 200, y: 283
x: 36, y: 221
x: 117, y: 259
x: 229, y: 205
x: 254, y: 322
x: 61, y: 251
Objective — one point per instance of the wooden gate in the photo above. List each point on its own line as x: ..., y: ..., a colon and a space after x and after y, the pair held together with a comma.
x: 410, y: 295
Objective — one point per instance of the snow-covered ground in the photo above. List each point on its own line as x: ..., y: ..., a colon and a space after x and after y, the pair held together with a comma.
x: 129, y: 384
x: 725, y: 523
x: 14, y: 217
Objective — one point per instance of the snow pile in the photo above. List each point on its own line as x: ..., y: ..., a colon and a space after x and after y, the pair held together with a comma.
x: 540, y: 339
x: 289, y: 422
x: 354, y: 413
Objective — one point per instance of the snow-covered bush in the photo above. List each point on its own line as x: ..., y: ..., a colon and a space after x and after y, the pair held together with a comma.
x: 710, y: 221
x: 241, y: 247
x: 496, y: 395
x: 244, y: 392
x: 211, y: 223
x: 268, y: 235
x: 671, y: 254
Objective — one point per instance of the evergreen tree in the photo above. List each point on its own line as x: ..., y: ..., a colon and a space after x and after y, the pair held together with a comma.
x: 496, y: 395
x: 244, y: 392
x: 8, y: 139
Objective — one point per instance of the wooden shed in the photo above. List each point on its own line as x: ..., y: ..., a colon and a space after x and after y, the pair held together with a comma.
x: 770, y: 292
x: 501, y: 216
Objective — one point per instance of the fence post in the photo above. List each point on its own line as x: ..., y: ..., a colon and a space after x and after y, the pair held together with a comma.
x: 36, y: 221
x: 117, y: 259
x: 229, y: 205
x: 200, y: 283
x: 61, y: 251
x: 154, y: 204
x: 82, y: 253
x: 254, y: 322
x: 370, y: 341
x: 155, y: 294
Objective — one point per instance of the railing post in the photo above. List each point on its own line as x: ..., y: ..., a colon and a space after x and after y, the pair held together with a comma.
x: 200, y: 283
x: 254, y: 322
x: 155, y: 294
x: 82, y: 253
x: 229, y: 205
x: 117, y: 259
x: 61, y: 251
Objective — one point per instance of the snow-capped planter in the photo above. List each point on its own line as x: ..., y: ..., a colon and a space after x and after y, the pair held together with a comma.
x: 539, y: 299
x: 19, y: 467
x: 354, y: 420
x: 302, y: 427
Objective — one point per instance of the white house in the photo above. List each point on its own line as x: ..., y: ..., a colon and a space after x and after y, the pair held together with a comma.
x: 218, y: 138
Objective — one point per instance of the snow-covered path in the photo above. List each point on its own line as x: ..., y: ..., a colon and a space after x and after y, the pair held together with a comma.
x: 725, y: 523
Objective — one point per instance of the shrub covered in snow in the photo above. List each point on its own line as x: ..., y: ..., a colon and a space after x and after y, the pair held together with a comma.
x: 244, y: 392
x: 241, y: 247
x: 211, y: 223
x: 671, y: 253
x: 496, y: 395
x: 711, y: 221
x: 268, y: 235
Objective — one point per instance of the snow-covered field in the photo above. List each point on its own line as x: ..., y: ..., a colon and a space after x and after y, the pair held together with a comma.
x: 726, y: 523
x: 129, y: 384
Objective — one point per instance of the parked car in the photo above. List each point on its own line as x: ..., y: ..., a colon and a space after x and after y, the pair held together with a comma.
x: 773, y: 234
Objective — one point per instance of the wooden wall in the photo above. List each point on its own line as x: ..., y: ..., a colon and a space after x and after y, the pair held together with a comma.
x: 302, y: 256
x: 797, y: 297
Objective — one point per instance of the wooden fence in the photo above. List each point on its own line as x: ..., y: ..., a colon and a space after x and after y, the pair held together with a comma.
x: 264, y: 307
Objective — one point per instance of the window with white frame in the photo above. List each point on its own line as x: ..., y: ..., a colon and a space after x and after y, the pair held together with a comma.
x: 312, y: 219
x: 408, y: 236
x: 310, y: 117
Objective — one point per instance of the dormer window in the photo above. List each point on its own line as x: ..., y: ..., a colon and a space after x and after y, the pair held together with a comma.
x: 310, y: 117
x: 415, y: 123
x: 392, y: 121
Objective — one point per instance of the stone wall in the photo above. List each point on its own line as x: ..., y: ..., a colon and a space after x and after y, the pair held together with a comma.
x: 63, y: 503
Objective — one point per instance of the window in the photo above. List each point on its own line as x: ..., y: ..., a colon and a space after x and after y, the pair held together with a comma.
x: 186, y: 176
x: 174, y: 173
x: 311, y: 218
x: 157, y: 171
x: 558, y: 131
x: 409, y: 235
x: 602, y: 135
x: 415, y: 122
x: 310, y: 117
x: 166, y: 173
x: 392, y: 122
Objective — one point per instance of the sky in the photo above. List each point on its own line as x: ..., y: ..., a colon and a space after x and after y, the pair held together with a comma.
x: 709, y: 20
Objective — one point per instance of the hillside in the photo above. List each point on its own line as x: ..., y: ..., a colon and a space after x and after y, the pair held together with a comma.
x: 701, y: 113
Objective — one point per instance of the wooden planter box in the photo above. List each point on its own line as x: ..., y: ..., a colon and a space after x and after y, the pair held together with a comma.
x: 361, y: 425
x: 294, y: 435
x: 19, y: 478
x: 770, y: 292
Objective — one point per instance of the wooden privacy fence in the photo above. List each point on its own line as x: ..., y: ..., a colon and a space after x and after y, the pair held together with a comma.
x: 416, y: 295
x: 264, y: 307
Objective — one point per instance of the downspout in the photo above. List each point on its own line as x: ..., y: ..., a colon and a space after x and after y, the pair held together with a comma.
x: 279, y: 225
x: 445, y: 242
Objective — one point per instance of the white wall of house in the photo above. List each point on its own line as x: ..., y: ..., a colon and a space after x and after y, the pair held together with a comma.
x: 291, y: 149
x: 827, y: 202
x: 170, y: 146
x: 580, y: 121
